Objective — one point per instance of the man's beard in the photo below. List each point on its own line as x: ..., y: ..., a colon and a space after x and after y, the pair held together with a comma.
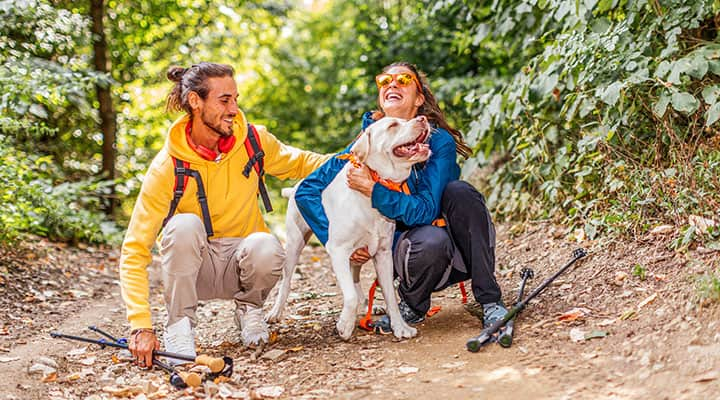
x: 216, y: 128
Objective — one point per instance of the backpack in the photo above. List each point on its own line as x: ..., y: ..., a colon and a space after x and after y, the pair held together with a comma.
x: 183, y: 173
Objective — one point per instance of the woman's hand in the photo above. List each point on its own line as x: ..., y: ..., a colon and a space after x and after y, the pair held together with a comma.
x: 358, y: 178
x: 360, y: 256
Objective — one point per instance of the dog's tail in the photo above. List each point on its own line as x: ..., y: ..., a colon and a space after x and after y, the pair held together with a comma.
x: 288, y: 192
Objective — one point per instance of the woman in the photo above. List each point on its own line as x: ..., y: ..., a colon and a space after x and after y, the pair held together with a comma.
x: 427, y: 258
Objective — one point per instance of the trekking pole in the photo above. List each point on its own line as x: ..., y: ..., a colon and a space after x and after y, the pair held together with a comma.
x: 215, y: 364
x: 475, y: 343
x: 178, y: 379
x: 505, y: 337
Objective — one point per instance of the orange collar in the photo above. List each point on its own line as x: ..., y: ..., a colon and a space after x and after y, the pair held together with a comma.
x: 392, y: 185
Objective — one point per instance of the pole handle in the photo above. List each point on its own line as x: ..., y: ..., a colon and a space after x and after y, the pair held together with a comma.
x: 190, y: 378
x: 215, y: 364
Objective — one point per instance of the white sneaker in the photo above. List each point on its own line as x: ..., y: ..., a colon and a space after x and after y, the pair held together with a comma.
x: 251, y: 322
x: 180, y: 338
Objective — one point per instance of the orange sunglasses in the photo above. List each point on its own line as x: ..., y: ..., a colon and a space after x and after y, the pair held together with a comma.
x: 403, y: 79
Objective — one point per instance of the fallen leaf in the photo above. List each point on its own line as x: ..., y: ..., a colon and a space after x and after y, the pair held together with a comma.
x: 269, y: 391
x: 125, y: 391
x: 628, y: 314
x: 595, y: 334
x: 647, y: 300
x: 8, y: 359
x: 662, y: 229
x: 574, y: 314
x: 73, y: 377
x: 51, y: 377
x: 702, y: 225
x: 273, y: 337
x: 88, y: 361
x: 222, y: 379
x: 708, y: 376
x: 607, y: 322
x: 76, y: 352
x: 295, y: 349
x: 114, y: 359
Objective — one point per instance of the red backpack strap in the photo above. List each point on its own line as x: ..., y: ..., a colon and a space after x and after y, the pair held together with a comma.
x: 181, y: 179
x: 255, y: 160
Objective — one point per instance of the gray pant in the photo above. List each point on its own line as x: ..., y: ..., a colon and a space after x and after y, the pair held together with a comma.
x: 195, y: 268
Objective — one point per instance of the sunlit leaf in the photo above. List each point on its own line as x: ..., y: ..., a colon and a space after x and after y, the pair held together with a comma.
x: 684, y: 102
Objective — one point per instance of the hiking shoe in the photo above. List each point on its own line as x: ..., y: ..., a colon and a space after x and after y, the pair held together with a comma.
x: 493, y: 312
x: 382, y: 325
x: 475, y: 309
x: 409, y: 315
x: 251, y: 322
x: 180, y: 338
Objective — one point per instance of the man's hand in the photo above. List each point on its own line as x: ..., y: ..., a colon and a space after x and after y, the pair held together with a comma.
x: 358, y: 178
x: 141, y: 346
x: 360, y: 256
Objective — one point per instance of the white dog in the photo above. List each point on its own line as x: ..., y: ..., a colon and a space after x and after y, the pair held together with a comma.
x: 390, y: 147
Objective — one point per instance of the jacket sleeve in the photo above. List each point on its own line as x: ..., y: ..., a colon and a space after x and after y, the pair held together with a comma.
x: 151, y: 207
x: 423, y: 206
x: 308, y: 196
x: 283, y: 161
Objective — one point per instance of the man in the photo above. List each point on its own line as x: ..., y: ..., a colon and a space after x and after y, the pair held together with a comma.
x: 213, y: 247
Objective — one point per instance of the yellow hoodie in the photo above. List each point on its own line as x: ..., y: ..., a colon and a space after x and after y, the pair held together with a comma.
x: 232, y: 201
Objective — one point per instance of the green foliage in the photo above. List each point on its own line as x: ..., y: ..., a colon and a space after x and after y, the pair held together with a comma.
x: 47, y: 82
x: 601, y: 113
x: 30, y: 203
x: 610, y: 118
x: 709, y: 286
x: 639, y: 272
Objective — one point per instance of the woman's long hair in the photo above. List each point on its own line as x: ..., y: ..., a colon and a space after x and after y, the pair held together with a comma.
x: 430, y: 109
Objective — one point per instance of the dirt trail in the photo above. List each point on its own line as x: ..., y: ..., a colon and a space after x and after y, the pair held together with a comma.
x: 659, y: 344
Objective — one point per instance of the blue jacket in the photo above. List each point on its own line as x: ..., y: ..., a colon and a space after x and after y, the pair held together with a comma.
x: 421, y: 207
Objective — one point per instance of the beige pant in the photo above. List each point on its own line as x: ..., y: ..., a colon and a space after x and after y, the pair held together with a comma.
x: 195, y: 268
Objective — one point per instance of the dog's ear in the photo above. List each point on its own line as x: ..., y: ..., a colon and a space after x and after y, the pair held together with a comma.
x: 361, y: 148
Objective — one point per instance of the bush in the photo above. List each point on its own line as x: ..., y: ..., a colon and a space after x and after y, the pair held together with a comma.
x: 31, y: 203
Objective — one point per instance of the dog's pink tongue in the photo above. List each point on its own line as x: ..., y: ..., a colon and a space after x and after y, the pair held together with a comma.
x: 412, y: 149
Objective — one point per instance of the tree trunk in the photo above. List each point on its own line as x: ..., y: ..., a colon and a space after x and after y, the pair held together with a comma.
x: 108, y: 117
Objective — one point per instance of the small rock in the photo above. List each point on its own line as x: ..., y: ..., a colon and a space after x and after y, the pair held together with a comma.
x: 211, y: 388
x: 149, y: 387
x: 41, y: 369
x: 577, y: 335
x: 408, y: 370
x: 46, y: 361
x: 620, y: 277
x: 267, y: 392
x: 274, y: 355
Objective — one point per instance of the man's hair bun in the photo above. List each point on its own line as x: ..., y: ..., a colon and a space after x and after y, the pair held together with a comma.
x: 175, y: 74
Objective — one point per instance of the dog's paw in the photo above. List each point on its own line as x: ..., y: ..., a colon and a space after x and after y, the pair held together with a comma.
x: 275, y: 315
x: 403, y: 330
x: 345, y: 327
